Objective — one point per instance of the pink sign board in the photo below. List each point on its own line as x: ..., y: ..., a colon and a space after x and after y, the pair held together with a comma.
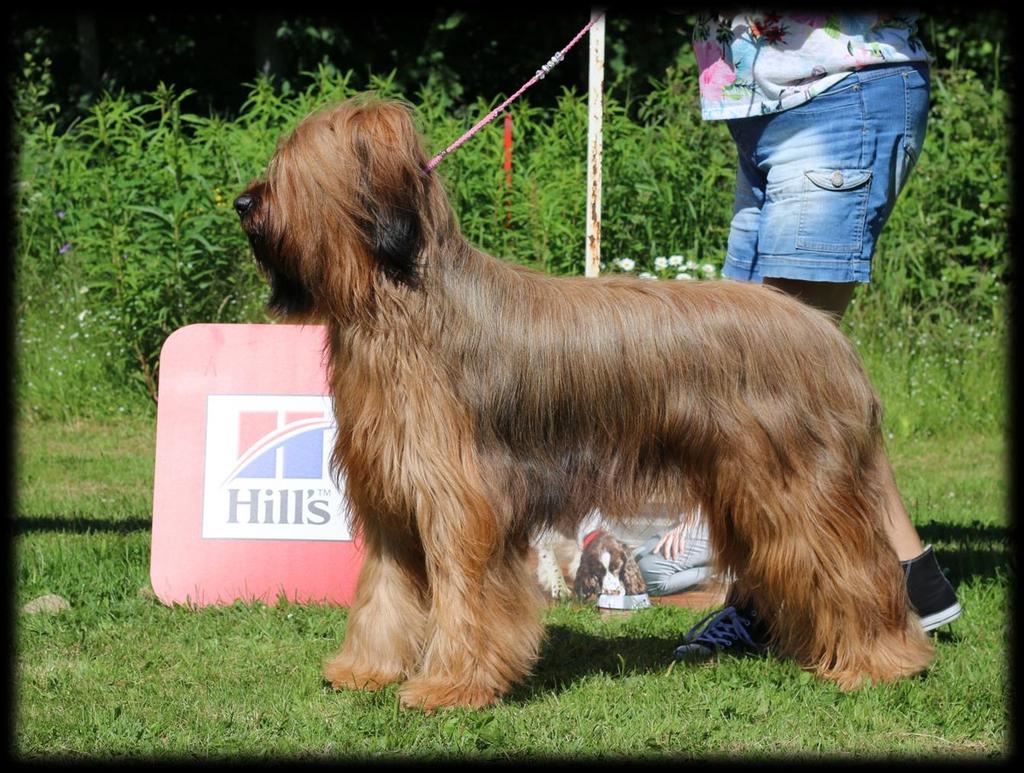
x: 244, y: 504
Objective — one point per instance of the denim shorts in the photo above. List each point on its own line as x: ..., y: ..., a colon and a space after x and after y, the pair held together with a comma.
x: 817, y: 182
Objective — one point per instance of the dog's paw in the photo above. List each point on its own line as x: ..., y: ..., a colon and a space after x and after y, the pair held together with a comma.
x: 345, y: 674
x: 429, y: 694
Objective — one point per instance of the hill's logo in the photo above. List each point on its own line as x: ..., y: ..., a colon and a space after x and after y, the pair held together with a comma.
x: 267, y: 474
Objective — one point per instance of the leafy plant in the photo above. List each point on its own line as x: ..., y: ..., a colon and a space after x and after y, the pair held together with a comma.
x: 125, y: 229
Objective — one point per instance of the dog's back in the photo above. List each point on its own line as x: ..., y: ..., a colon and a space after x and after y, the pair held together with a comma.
x: 632, y: 390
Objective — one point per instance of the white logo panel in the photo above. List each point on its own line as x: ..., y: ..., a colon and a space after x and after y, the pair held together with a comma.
x: 267, y: 473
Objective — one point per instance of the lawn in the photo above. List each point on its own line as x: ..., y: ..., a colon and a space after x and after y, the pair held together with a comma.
x: 121, y: 675
x: 103, y: 277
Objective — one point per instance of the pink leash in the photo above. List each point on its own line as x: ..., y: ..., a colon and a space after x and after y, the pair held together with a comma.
x: 544, y: 70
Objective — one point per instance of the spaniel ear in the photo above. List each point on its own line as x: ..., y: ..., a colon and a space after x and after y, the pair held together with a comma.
x: 588, y: 577
x: 624, y: 566
x: 632, y: 578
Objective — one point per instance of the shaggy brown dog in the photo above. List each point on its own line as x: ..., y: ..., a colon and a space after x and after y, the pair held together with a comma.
x: 478, y: 401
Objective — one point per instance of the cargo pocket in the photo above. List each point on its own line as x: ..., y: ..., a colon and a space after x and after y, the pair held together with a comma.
x: 833, y: 210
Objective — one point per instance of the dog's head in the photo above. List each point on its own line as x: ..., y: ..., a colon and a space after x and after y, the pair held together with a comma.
x: 607, y: 566
x: 341, y: 207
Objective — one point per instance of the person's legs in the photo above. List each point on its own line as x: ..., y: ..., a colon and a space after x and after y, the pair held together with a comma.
x: 826, y: 176
x: 665, y: 576
x: 832, y: 297
x: 748, y: 202
x: 828, y: 201
x: 902, y: 533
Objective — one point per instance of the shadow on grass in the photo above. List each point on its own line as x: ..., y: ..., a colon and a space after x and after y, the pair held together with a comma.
x: 78, y: 524
x: 968, y: 551
x: 569, y: 655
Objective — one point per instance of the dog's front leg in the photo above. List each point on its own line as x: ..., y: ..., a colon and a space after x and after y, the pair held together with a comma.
x: 387, y: 619
x: 483, y: 627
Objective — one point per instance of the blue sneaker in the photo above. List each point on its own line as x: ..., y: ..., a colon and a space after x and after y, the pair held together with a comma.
x: 727, y: 630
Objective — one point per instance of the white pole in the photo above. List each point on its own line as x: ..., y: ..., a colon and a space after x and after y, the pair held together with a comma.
x: 594, y: 129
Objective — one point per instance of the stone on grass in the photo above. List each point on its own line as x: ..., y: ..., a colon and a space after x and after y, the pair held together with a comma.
x: 49, y: 603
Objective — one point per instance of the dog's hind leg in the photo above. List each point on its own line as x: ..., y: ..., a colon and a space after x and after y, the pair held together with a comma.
x: 484, y: 627
x: 386, y: 621
x: 817, y: 563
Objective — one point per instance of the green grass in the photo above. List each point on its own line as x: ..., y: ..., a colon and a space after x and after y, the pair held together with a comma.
x: 121, y: 675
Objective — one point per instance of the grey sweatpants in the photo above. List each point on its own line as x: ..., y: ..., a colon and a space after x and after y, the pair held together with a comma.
x: 692, y: 566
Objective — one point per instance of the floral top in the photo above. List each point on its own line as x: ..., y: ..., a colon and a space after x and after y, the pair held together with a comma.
x: 764, y: 63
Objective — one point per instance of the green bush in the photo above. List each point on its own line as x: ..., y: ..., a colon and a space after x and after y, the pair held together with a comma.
x: 944, y: 253
x: 125, y: 230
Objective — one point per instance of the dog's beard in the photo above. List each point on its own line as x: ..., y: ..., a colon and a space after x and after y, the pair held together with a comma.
x: 288, y: 296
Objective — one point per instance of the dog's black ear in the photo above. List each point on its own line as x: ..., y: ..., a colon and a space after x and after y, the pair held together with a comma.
x: 393, y: 194
x: 396, y: 237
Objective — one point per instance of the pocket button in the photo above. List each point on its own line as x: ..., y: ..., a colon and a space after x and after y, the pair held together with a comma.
x: 837, y: 179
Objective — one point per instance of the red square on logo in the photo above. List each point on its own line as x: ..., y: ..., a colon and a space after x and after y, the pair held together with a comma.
x: 244, y: 503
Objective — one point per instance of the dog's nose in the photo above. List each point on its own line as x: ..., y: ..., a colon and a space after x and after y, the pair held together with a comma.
x: 244, y: 203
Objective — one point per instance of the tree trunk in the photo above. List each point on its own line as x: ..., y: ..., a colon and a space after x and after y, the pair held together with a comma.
x: 88, y: 51
x: 269, y: 58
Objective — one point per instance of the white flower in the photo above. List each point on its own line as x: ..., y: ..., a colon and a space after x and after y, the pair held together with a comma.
x: 691, y: 265
x: 660, y: 263
x: 83, y: 315
x: 683, y: 275
x: 675, y: 260
x: 83, y: 290
x: 647, y: 275
x: 626, y: 264
x: 708, y: 269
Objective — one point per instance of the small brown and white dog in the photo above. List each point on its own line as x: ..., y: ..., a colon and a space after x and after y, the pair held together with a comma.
x: 602, y: 564
x: 607, y: 567
x: 478, y: 402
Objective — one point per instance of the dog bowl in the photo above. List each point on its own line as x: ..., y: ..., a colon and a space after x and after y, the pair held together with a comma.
x: 639, y: 601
